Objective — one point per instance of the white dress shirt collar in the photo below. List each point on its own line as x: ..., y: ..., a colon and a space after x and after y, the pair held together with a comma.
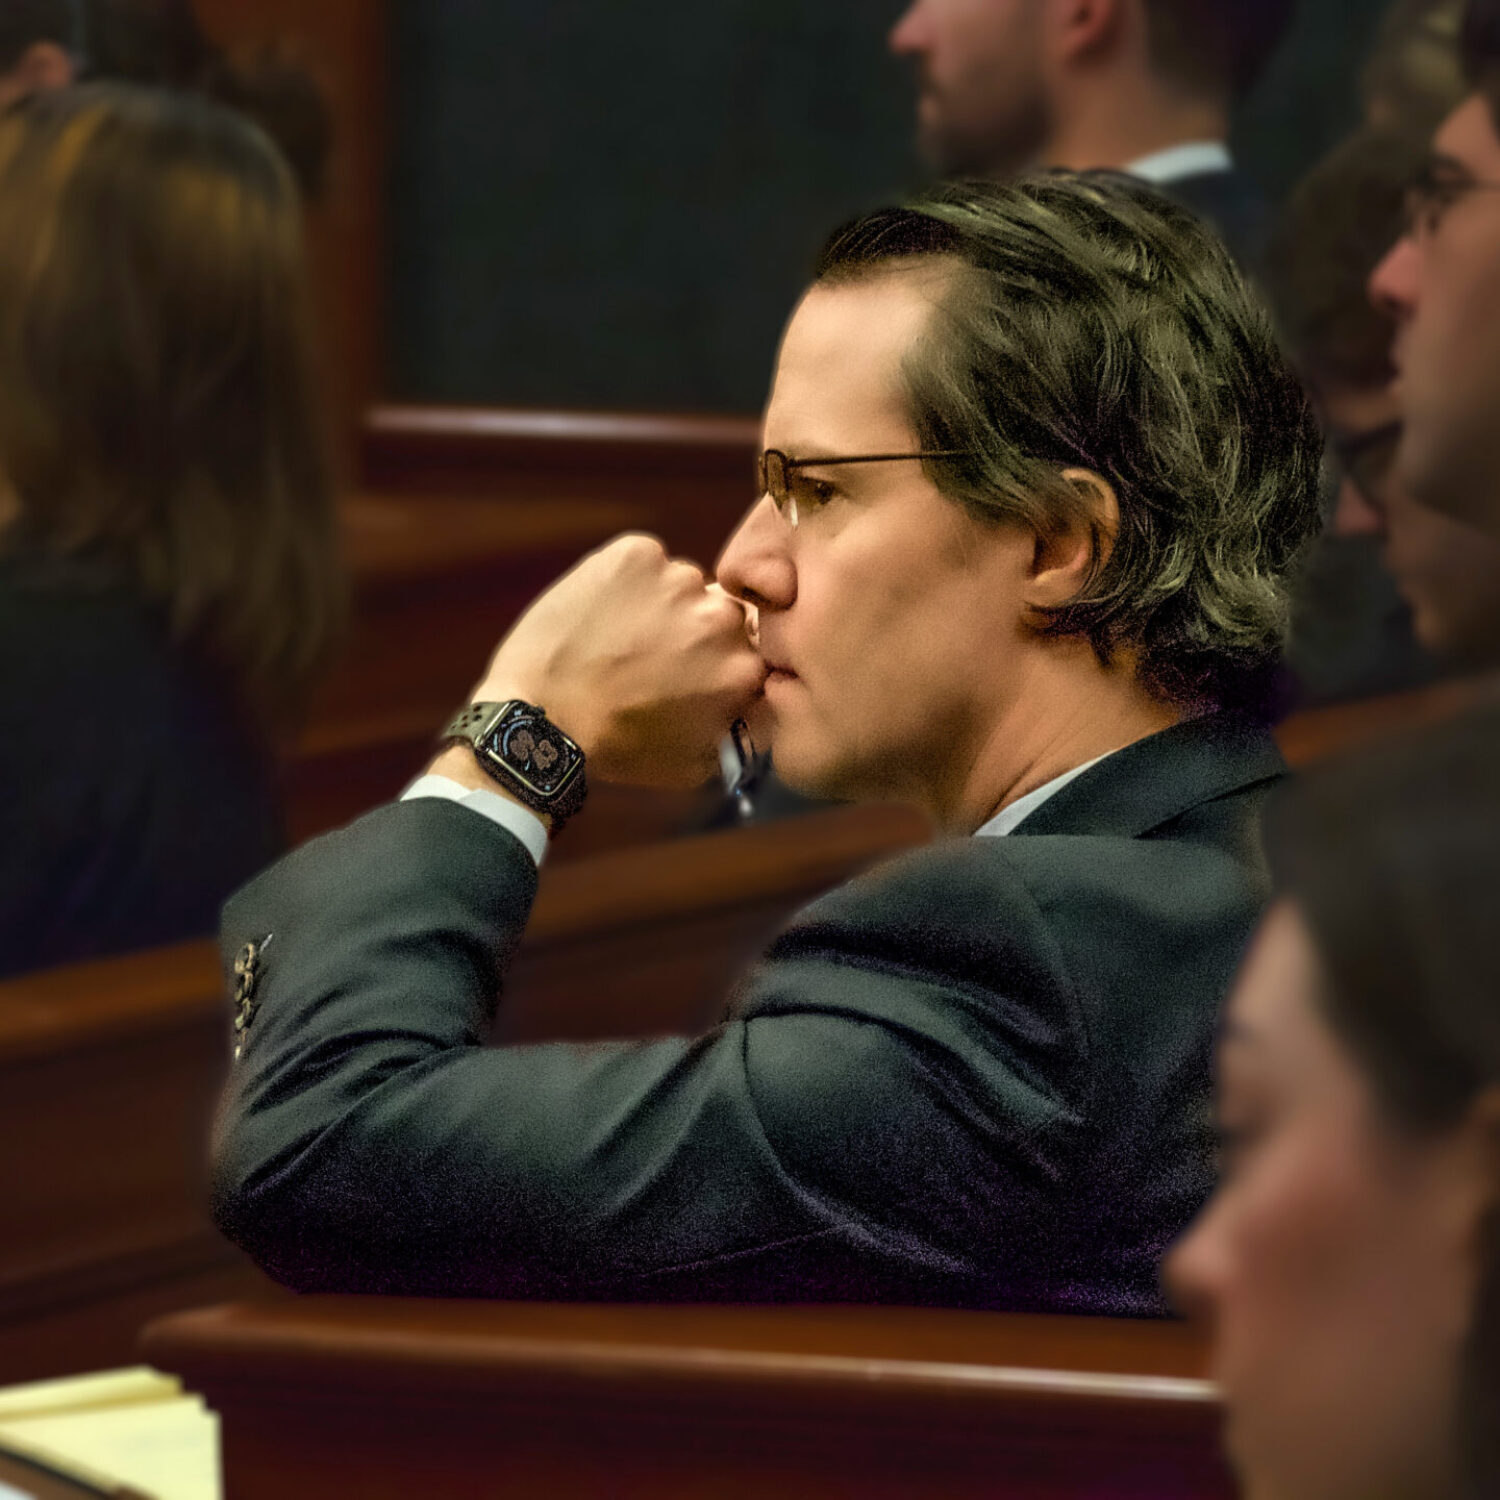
x: 1008, y: 818
x: 1190, y: 159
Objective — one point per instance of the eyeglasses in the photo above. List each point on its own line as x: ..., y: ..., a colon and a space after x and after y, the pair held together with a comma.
x: 1433, y: 191
x: 1365, y: 459
x: 774, y: 473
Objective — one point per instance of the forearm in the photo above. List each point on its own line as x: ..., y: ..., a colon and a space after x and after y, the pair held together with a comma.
x: 380, y: 951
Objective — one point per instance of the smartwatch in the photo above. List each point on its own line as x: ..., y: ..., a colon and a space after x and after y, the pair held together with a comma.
x: 525, y: 752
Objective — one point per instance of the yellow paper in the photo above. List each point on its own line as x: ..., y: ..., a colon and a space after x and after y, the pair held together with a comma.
x: 126, y: 1427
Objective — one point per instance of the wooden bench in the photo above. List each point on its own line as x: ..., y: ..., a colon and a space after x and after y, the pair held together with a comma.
x: 388, y: 1399
x: 688, y: 477
x: 109, y: 1071
x: 108, y: 1075
x: 1339, y: 728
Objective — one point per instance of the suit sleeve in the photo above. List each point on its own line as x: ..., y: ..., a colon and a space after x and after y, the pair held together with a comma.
x: 869, y: 1123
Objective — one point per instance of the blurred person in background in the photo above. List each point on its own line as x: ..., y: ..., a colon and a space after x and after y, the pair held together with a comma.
x: 1413, y: 77
x: 162, y: 44
x: 169, y: 578
x: 1441, y: 284
x: 41, y: 44
x: 1353, y: 635
x: 1348, y: 1265
x: 1143, y: 86
x: 51, y: 44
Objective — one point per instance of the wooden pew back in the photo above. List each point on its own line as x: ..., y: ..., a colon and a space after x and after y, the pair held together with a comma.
x: 108, y: 1073
x: 446, y: 1399
x: 688, y: 477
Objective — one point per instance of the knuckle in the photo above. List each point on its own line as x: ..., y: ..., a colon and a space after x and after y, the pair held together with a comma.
x: 640, y: 545
x: 745, y: 675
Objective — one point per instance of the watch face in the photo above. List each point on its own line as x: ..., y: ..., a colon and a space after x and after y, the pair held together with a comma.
x: 536, y: 752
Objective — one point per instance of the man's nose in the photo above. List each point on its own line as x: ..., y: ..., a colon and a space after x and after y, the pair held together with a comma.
x: 1393, y: 283
x: 756, y: 563
x: 906, y: 37
x: 1353, y: 515
x: 1187, y: 1275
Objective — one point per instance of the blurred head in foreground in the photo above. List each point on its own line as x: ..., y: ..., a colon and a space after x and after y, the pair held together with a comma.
x: 1441, y: 283
x: 1349, y: 1262
x: 1038, y: 458
x: 1335, y: 229
x: 157, y: 397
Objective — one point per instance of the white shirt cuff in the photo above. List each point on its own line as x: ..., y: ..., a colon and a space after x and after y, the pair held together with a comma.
x: 511, y: 816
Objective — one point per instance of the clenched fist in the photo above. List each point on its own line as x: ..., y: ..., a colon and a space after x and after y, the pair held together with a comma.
x: 638, y: 659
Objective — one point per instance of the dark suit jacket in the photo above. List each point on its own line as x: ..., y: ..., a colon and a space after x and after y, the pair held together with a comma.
x: 1231, y: 203
x: 132, y: 798
x: 978, y: 1076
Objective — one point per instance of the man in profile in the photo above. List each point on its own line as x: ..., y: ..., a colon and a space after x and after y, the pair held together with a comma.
x: 1441, y: 283
x: 1142, y: 86
x: 1016, y: 558
x: 1337, y: 226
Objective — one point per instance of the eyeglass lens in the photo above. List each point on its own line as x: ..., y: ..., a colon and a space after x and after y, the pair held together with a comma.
x: 771, y: 476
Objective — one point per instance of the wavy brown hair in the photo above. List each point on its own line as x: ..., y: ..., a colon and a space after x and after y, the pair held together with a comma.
x: 1091, y: 323
x: 158, y: 400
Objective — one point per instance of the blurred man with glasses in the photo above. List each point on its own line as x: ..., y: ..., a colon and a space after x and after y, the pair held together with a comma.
x: 1034, y: 477
x: 1336, y: 228
x: 1441, y: 284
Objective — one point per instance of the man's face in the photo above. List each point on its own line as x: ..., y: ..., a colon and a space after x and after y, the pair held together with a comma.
x: 1442, y: 284
x: 1448, y: 572
x: 892, y: 621
x: 981, y: 106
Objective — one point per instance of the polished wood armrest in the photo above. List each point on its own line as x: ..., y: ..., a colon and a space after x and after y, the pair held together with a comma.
x: 411, y: 439
x: 461, y: 1398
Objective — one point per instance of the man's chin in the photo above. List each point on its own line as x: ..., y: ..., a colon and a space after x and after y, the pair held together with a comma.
x: 807, y: 774
x: 1451, y: 472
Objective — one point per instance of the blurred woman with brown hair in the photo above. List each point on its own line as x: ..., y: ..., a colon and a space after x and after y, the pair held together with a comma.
x: 169, y: 579
x: 1349, y: 1262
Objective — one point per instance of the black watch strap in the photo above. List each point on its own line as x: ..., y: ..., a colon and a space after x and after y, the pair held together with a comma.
x: 521, y: 749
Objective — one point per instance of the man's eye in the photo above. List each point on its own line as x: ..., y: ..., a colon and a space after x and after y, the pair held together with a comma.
x: 811, y: 493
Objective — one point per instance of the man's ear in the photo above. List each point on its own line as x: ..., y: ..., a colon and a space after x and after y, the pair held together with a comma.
x: 1084, y: 28
x: 1073, y: 551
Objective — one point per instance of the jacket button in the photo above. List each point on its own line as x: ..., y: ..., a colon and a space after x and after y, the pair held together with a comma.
x: 246, y: 973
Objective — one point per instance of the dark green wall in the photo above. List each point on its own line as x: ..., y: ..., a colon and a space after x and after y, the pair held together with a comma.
x: 614, y: 205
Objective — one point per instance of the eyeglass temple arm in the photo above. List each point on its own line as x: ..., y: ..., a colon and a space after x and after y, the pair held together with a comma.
x: 870, y: 458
